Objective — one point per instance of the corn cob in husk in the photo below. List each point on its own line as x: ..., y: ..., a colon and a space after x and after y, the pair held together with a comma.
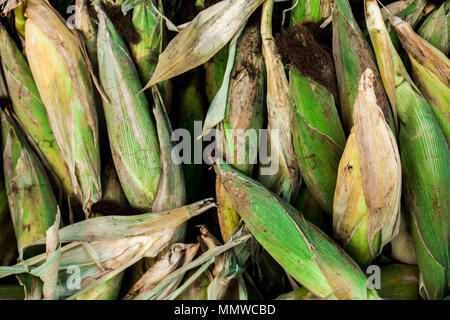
x: 302, y: 249
x: 402, y: 247
x: 32, y: 203
x: 28, y: 107
x: 425, y: 162
x: 366, y: 209
x: 132, y: 134
x: 62, y: 78
x: 436, y: 28
x: 431, y: 72
x: 285, y: 179
x: 399, y: 282
x: 244, y: 116
x: 352, y: 56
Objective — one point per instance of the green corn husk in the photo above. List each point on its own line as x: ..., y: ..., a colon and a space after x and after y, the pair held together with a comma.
x: 352, y: 56
x: 310, y: 209
x: 32, y: 203
x: 103, y: 247
x: 11, y: 292
x: 88, y: 29
x: 64, y: 84
x: 319, y: 138
x: 29, y: 109
x: 285, y: 181
x: 132, y: 135
x: 402, y: 247
x: 399, y: 282
x: 431, y: 72
x: 409, y: 10
x: 311, y: 11
x: 244, y: 114
x: 425, y: 162
x: 190, y: 110
x: 109, y: 290
x: 302, y: 249
x: 366, y: 208
x: 436, y: 28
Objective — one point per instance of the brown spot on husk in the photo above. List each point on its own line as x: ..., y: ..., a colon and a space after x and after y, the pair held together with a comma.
x: 304, y: 46
x: 123, y: 24
x: 109, y: 208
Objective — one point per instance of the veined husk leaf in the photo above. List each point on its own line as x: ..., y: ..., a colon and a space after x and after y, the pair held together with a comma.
x: 28, y: 107
x: 285, y: 181
x: 244, y: 115
x: 402, y: 247
x: 436, y: 28
x: 32, y: 204
x: 203, y: 37
x: 179, y: 255
x: 62, y: 78
x: 425, y: 164
x: 399, y: 282
x: 302, y: 249
x: 366, y: 208
x: 352, y: 56
x: 311, y: 10
x: 410, y: 10
x: 431, y: 72
x: 132, y: 135
x: 101, y: 248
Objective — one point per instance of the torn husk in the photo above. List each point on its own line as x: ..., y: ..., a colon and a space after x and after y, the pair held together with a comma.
x: 431, y: 72
x: 285, y: 179
x: 63, y: 80
x: 366, y: 209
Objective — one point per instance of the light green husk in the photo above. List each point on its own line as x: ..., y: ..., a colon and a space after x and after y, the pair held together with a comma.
x: 352, y: 56
x: 311, y: 11
x: 436, y: 28
x: 32, y: 203
x: 399, y: 282
x: 132, y: 135
x: 431, y: 72
x: 302, y: 249
x: 29, y: 109
x: 285, y: 181
x: 366, y: 208
x: 425, y: 162
x: 62, y: 78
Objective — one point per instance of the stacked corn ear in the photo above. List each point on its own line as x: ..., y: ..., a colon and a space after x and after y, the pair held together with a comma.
x: 399, y: 282
x: 352, y: 56
x: 319, y: 137
x: 281, y: 175
x: 28, y: 108
x: 431, y: 72
x: 425, y: 161
x: 366, y: 208
x: 402, y: 247
x: 302, y: 249
x: 64, y: 84
x: 132, y: 135
x: 436, y: 28
x: 409, y: 10
x: 244, y: 116
x: 311, y: 10
x: 32, y: 203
